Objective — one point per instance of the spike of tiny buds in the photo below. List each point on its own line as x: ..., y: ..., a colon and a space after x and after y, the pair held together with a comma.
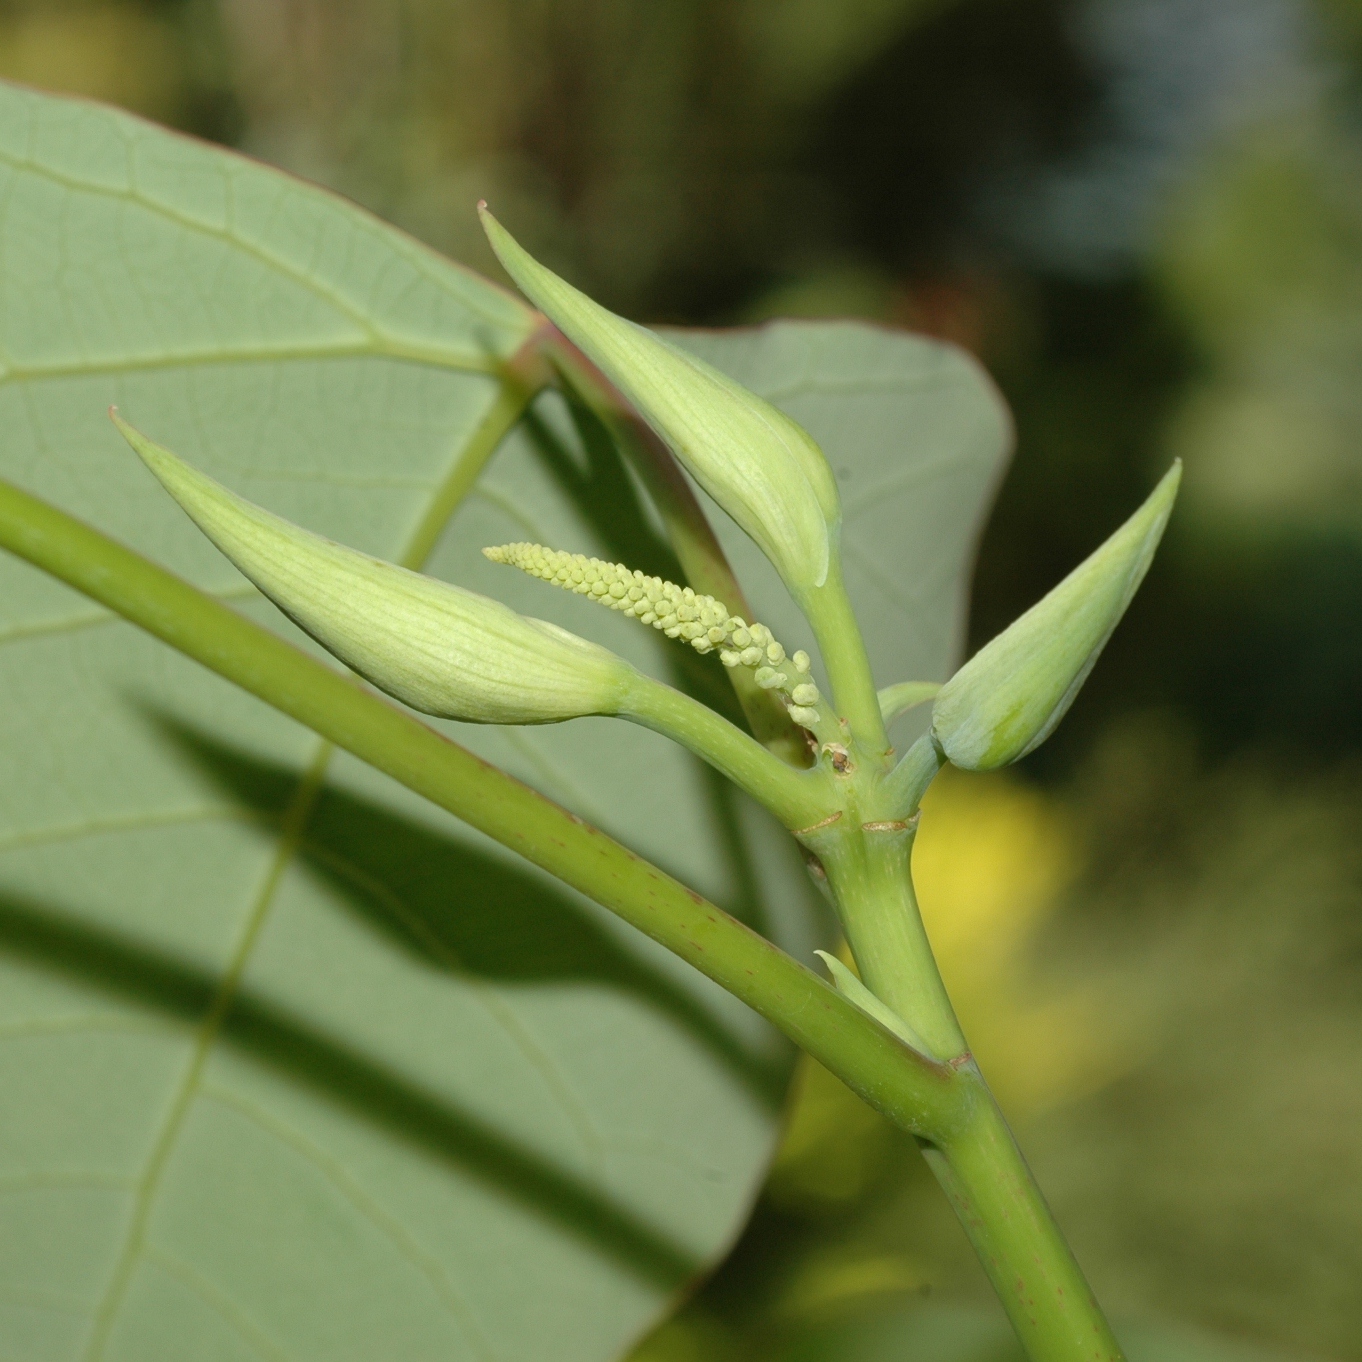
x: 679, y: 612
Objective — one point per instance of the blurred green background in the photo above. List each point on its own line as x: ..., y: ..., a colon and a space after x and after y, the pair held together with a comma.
x: 1145, y: 216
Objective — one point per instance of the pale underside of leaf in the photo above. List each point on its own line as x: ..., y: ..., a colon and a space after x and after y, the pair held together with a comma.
x: 293, y: 1066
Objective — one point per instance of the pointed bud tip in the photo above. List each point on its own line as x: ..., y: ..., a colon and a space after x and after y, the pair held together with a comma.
x: 159, y: 460
x: 849, y: 985
x: 492, y: 229
x: 501, y: 241
x: 1008, y: 698
x: 435, y: 646
x: 763, y: 468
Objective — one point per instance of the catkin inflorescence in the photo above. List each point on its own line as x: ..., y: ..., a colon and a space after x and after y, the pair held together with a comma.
x: 679, y: 612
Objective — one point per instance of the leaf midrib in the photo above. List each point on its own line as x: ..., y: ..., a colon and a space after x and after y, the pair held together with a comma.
x: 292, y: 826
x: 381, y: 347
x: 134, y: 1243
x: 379, y: 338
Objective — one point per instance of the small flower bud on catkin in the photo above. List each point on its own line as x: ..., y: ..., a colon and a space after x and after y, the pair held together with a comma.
x: 679, y: 612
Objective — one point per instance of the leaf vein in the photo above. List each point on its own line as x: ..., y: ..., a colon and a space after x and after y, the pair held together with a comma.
x: 135, y: 196
x: 892, y: 589
x: 95, y: 827
x: 14, y: 1184
x: 84, y: 1025
x: 379, y: 338
x: 508, y: 507
x: 134, y: 1244
x: 913, y: 475
x: 220, y: 1303
x: 487, y: 997
x: 338, y: 1176
x: 479, y: 446
x: 89, y: 618
x: 432, y: 356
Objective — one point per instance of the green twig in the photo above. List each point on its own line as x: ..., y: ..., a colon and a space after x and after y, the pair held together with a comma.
x: 797, y: 798
x: 1003, y: 1212
x: 828, y: 610
x: 865, y: 855
x: 917, y: 1094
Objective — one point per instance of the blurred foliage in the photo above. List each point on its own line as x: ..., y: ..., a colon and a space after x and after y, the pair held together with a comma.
x: 1146, y: 217
x: 112, y: 53
x: 1266, y: 266
x: 1172, y: 1018
x: 955, y: 1334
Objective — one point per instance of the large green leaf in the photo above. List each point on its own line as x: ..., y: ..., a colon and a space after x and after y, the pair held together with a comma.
x: 292, y: 1065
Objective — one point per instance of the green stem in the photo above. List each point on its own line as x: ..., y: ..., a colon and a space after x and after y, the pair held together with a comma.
x: 828, y: 610
x: 1022, y: 1249
x: 797, y: 798
x: 902, y: 789
x: 915, y: 1093
x: 868, y: 872
x: 1034, y: 1272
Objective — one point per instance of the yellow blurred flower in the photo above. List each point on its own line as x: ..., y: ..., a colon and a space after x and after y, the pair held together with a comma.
x: 992, y: 863
x: 117, y: 53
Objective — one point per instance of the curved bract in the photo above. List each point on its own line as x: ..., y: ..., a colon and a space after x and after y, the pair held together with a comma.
x: 1008, y: 698
x: 436, y: 647
x: 905, y: 695
x: 764, y: 469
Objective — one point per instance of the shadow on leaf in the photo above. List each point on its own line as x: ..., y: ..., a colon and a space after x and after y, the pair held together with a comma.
x: 461, y: 909
x: 136, y: 973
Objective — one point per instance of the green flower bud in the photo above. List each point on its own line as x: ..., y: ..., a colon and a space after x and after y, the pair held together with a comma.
x: 763, y: 468
x: 436, y: 647
x: 1006, y: 700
